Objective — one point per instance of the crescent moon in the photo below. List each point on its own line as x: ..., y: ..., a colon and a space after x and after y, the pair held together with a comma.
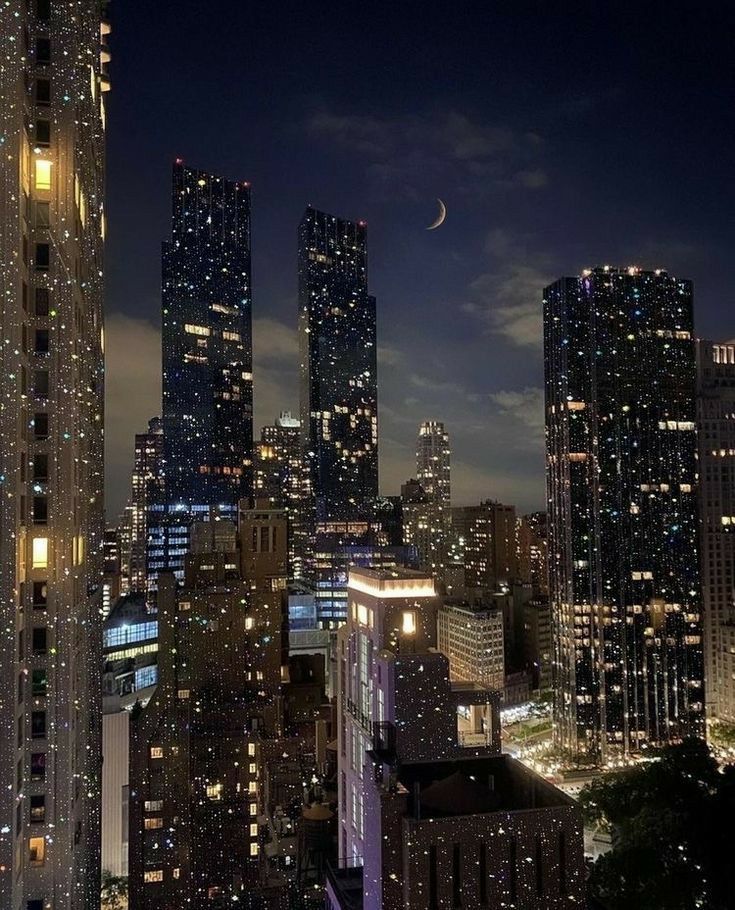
x: 440, y: 220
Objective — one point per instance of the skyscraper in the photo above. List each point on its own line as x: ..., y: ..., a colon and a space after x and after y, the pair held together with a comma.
x: 621, y: 480
x: 280, y: 477
x: 337, y: 337
x: 716, y: 423
x: 196, y: 796
x: 147, y: 488
x: 433, y: 462
x: 52, y: 121
x: 207, y: 361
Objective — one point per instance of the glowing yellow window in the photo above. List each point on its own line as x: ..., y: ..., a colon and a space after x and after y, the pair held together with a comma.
x: 40, y: 553
x: 254, y: 829
x: 43, y: 174
x: 156, y: 751
x: 253, y: 808
x: 214, y: 792
x: 254, y: 849
x: 152, y: 823
x: 251, y: 748
x: 231, y: 336
x: 196, y: 329
x: 409, y: 622
x: 252, y: 787
x: 249, y: 623
x: 153, y: 875
x: 37, y: 851
x: 253, y: 767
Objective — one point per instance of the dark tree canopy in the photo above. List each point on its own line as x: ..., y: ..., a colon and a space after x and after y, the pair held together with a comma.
x: 673, y: 835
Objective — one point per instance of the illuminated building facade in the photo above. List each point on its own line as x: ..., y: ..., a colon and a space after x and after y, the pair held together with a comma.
x: 621, y: 481
x: 533, y: 551
x: 196, y: 793
x: 471, y: 636
x: 207, y: 363
x: 716, y: 424
x: 339, y: 395
x: 281, y: 479
x: 433, y: 457
x: 394, y: 691
x: 147, y: 489
x: 53, y: 81
x: 488, y: 538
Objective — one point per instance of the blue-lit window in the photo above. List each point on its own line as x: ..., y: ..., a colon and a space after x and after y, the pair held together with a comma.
x: 146, y: 676
x: 125, y: 635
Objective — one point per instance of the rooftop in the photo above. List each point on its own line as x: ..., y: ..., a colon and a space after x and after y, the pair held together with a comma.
x: 398, y: 582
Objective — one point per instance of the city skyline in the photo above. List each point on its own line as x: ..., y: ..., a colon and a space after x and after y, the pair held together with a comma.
x: 340, y: 145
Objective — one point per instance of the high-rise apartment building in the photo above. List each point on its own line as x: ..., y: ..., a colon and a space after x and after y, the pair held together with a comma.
x: 433, y: 457
x: 337, y: 337
x: 281, y: 479
x: 488, y: 538
x: 533, y: 551
x: 196, y: 794
x: 53, y: 81
x: 621, y: 480
x: 147, y: 489
x: 716, y: 424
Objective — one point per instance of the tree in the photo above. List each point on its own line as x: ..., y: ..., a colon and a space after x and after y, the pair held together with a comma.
x: 114, y: 894
x: 671, y: 821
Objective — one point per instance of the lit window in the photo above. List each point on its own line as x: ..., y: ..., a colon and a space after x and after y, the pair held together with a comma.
x: 251, y: 748
x: 231, y: 336
x: 153, y: 875
x: 253, y: 767
x: 177, y: 872
x: 249, y: 622
x: 156, y: 751
x: 252, y: 787
x: 43, y: 174
x: 409, y: 622
x: 154, y: 805
x: 254, y: 849
x: 254, y: 829
x: 183, y: 693
x: 40, y: 553
x: 152, y: 823
x: 253, y: 808
x: 196, y: 329
x: 214, y: 792
x: 37, y: 851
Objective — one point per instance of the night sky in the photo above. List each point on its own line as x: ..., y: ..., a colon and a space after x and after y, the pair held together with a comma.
x: 560, y: 135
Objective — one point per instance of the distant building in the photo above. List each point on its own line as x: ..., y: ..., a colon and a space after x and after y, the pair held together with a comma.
x: 533, y: 556
x: 537, y: 641
x: 339, y: 395
x: 715, y: 410
x: 207, y: 363
x: 626, y: 597
x: 471, y: 636
x: 147, y: 490
x: 194, y: 772
x: 488, y: 533
x: 281, y: 478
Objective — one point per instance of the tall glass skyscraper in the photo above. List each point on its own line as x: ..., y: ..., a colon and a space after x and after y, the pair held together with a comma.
x: 207, y: 341
x: 621, y: 480
x: 339, y: 394
x: 53, y: 81
x: 207, y: 361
